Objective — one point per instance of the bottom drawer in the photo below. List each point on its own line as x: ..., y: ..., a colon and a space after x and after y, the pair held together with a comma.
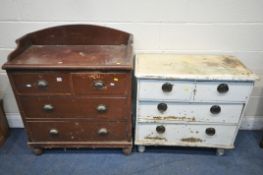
x: 77, y: 131
x: 185, y: 135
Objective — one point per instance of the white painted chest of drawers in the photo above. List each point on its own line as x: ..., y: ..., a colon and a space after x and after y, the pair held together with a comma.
x: 190, y: 100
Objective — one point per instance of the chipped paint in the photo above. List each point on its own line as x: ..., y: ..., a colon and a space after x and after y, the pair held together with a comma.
x: 191, y: 139
x: 155, y: 138
x: 198, y: 67
x: 181, y: 118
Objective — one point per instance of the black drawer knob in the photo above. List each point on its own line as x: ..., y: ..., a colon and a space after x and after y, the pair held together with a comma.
x: 210, y: 131
x: 215, y: 109
x: 102, y: 131
x: 53, y: 132
x: 162, y: 107
x: 167, y: 87
x: 222, y: 88
x: 101, y: 108
x: 160, y: 129
x: 42, y: 83
x: 99, y: 84
x: 48, y: 107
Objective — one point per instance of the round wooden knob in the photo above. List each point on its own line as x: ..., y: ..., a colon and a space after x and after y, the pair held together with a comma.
x: 222, y: 88
x: 160, y: 129
x: 48, y: 107
x: 53, y: 132
x: 99, y: 84
x: 215, y: 109
x: 101, y: 108
x: 210, y: 131
x: 162, y: 107
x: 102, y: 131
x: 167, y: 87
x: 42, y: 83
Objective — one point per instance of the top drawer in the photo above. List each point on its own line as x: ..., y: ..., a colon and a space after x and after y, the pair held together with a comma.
x: 40, y: 83
x: 96, y: 83
x: 222, y: 91
x: 165, y: 90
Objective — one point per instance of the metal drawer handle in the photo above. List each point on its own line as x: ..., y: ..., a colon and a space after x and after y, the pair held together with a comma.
x: 167, y: 87
x: 48, y: 107
x: 215, y: 109
x: 53, y: 132
x: 210, y: 131
x: 162, y: 107
x: 101, y: 108
x: 42, y: 83
x: 222, y: 88
x: 99, y: 84
x: 160, y: 129
x: 103, y: 131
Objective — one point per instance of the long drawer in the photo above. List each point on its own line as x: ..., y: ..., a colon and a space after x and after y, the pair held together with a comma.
x: 185, y: 135
x: 79, y: 130
x: 161, y: 89
x: 188, y: 112
x: 96, y: 83
x: 41, y: 82
x: 77, y: 107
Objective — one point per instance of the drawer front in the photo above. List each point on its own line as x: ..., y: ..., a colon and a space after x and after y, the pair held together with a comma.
x: 101, y: 83
x: 170, y: 90
x: 41, y: 83
x: 185, y: 135
x: 68, y: 107
x: 223, y: 91
x: 76, y: 131
x: 188, y: 112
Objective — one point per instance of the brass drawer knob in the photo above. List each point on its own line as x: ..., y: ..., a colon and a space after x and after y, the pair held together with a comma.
x: 160, y: 129
x: 53, y: 132
x: 101, y: 108
x: 215, y: 109
x: 167, y: 87
x: 222, y: 88
x: 48, y: 107
x: 99, y: 84
x: 162, y: 107
x: 42, y: 83
x: 210, y: 131
x: 102, y: 131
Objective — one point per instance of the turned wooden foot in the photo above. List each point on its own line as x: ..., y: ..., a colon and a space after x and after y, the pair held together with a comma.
x: 37, y: 151
x: 127, y: 151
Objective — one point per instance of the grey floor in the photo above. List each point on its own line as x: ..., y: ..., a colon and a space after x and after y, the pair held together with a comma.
x: 247, y: 158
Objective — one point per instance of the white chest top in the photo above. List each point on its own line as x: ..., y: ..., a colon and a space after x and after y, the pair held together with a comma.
x: 192, y: 67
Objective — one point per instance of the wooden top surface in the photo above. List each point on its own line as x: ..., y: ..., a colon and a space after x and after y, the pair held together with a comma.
x: 192, y: 67
x: 73, y: 56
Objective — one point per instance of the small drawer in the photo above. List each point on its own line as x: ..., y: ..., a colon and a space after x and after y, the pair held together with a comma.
x: 188, y: 112
x: 170, y: 90
x: 186, y: 135
x: 95, y: 83
x: 75, y: 107
x: 41, y: 83
x: 79, y: 130
x: 223, y: 91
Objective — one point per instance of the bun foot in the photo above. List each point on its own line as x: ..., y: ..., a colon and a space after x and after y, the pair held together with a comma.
x: 127, y: 151
x: 37, y: 151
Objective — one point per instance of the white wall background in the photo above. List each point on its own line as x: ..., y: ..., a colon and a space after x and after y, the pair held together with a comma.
x: 180, y: 26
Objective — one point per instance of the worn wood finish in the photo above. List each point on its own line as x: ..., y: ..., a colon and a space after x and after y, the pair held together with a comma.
x: 4, y: 131
x: 73, y: 87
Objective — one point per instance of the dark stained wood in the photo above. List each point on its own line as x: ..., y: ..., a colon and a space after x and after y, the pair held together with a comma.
x: 69, y: 61
x: 4, y: 131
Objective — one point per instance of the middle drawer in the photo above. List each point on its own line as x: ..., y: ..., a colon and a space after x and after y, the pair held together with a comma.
x: 77, y: 107
x: 188, y: 112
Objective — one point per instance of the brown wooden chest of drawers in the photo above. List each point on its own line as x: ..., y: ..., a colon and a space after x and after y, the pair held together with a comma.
x: 73, y: 87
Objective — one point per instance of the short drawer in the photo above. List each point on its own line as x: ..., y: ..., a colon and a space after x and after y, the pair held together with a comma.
x: 75, y: 107
x: 186, y: 135
x: 96, y: 83
x: 223, y: 91
x: 188, y: 112
x: 41, y: 83
x: 170, y: 90
x: 76, y: 131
